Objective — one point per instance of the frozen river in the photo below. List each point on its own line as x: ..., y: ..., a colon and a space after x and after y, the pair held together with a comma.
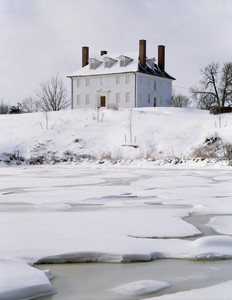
x: 126, y: 232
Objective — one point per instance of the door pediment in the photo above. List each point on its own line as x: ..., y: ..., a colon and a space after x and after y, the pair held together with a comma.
x: 102, y: 90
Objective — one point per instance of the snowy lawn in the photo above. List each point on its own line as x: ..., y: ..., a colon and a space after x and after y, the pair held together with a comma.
x: 159, y: 133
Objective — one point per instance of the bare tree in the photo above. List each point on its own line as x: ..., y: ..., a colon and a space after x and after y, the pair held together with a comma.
x: 4, y: 108
x: 52, y: 95
x: 29, y: 105
x: 180, y: 101
x: 215, y: 86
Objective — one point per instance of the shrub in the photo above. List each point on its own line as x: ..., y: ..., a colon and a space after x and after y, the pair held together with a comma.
x: 227, y: 148
x: 15, y: 109
x: 216, y: 110
x: 211, y: 148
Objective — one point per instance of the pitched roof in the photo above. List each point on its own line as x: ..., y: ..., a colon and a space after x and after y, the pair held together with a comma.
x: 133, y: 65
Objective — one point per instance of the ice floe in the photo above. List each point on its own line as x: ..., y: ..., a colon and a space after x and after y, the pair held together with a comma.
x: 140, y: 288
x: 18, y: 280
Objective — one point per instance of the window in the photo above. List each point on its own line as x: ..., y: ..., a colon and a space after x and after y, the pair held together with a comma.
x: 107, y: 64
x: 117, y: 97
x: 149, y: 81
x: 148, y: 98
x: 124, y: 60
x: 161, y: 100
x: 87, y: 101
x: 78, y: 99
x: 87, y: 81
x: 155, y: 85
x: 161, y: 84
x: 141, y: 97
x: 127, y: 97
x: 117, y: 79
x: 127, y: 79
x: 78, y: 82
x: 122, y: 63
x: 102, y: 81
x: 94, y: 63
x: 141, y: 80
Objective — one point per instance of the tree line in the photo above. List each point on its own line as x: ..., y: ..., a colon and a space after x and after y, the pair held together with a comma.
x: 51, y: 95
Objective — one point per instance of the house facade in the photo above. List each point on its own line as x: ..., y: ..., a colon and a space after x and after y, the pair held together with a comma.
x: 121, y: 81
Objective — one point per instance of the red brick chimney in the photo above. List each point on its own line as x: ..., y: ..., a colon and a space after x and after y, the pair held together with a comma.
x: 103, y: 52
x: 85, y: 56
x: 161, y: 57
x: 142, y: 52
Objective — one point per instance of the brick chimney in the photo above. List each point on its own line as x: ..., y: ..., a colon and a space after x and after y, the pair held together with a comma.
x: 85, y: 56
x: 142, y: 52
x: 103, y: 52
x: 161, y: 57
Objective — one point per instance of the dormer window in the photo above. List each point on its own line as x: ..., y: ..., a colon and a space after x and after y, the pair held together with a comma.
x: 122, y: 63
x: 108, y: 62
x: 124, y: 60
x: 151, y: 62
x: 94, y: 63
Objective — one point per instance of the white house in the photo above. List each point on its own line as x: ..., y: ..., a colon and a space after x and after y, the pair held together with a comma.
x: 124, y: 81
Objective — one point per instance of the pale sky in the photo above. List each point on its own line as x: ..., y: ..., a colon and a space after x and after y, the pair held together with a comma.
x: 43, y: 37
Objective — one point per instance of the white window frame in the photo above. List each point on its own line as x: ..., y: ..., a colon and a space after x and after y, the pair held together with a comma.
x: 102, y: 81
x: 92, y: 66
x: 78, y: 100
x: 117, y: 79
x: 87, y: 82
x: 87, y: 99
x: 122, y: 62
x: 128, y: 97
x: 127, y: 79
x: 118, y: 96
x: 78, y: 82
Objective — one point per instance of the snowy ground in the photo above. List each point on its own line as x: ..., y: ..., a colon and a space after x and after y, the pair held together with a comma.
x: 161, y: 134
x: 109, y: 201
x: 105, y: 213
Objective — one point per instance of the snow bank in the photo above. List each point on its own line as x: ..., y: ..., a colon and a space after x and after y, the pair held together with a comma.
x: 140, y: 288
x: 102, y: 236
x: 73, y: 136
x: 18, y: 280
x: 221, y: 224
x: 222, y: 291
x: 110, y: 231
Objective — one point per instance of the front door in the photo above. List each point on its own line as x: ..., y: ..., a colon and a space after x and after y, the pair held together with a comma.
x: 155, y: 104
x: 103, y: 101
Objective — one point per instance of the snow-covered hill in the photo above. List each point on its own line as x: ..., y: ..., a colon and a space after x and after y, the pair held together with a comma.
x: 160, y: 134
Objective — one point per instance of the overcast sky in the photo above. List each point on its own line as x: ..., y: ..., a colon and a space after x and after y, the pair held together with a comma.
x: 43, y: 37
